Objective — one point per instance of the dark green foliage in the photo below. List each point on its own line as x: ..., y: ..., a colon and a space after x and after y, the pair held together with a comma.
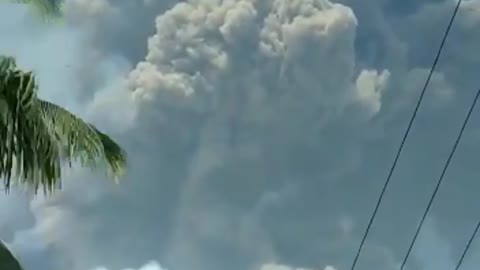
x: 47, y: 7
x: 7, y: 259
x: 36, y: 135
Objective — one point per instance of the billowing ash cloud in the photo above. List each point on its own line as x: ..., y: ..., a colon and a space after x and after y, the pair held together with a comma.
x: 260, y: 133
x: 272, y: 266
x: 148, y: 266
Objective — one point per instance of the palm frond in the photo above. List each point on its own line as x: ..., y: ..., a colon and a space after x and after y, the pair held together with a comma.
x: 36, y: 135
x: 47, y: 9
x: 7, y: 259
x: 45, y: 6
x: 26, y: 143
x: 6, y: 63
x: 82, y: 141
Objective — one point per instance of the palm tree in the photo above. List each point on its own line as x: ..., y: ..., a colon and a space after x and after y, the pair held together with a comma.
x: 37, y: 136
x: 7, y: 259
x: 48, y: 8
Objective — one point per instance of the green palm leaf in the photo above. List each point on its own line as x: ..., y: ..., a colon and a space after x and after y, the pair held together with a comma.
x: 24, y: 138
x: 36, y: 135
x: 82, y: 141
x: 47, y: 9
x: 7, y: 259
x: 44, y: 6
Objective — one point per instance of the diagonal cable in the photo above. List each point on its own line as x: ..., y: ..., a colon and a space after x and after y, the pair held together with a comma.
x: 467, y: 247
x: 440, y: 180
x: 387, y: 181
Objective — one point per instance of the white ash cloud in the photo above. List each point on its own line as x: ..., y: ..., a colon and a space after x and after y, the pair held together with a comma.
x: 258, y: 131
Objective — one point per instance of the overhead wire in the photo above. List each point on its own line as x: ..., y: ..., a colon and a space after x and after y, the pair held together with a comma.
x: 404, y: 138
x: 440, y: 180
x: 467, y: 247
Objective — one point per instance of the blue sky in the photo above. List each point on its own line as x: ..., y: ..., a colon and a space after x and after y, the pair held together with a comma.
x: 259, y: 134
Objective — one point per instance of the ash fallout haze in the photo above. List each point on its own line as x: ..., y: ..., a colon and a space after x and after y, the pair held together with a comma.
x: 259, y: 134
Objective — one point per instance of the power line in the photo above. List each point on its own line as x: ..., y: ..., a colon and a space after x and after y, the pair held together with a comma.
x: 387, y: 181
x: 440, y: 180
x: 467, y: 247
